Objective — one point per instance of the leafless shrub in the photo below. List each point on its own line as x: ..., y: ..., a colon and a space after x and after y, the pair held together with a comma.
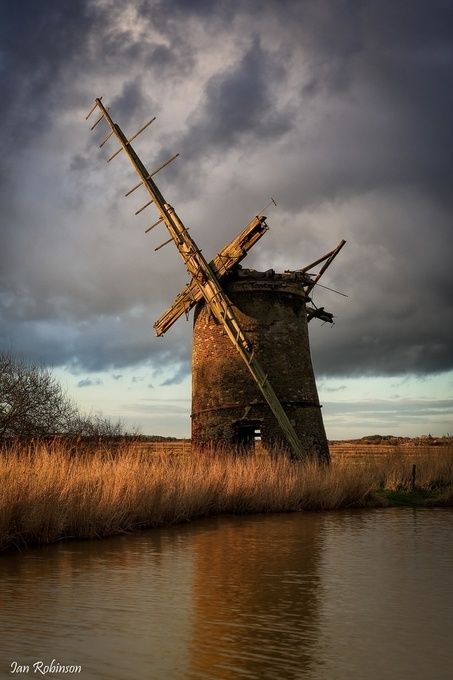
x: 33, y: 405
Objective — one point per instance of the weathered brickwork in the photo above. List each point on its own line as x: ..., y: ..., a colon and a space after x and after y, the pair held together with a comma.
x: 225, y: 398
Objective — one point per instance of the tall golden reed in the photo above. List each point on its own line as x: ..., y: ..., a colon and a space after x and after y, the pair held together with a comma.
x: 47, y: 493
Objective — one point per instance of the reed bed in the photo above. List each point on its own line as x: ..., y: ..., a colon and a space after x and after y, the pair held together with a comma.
x: 47, y: 493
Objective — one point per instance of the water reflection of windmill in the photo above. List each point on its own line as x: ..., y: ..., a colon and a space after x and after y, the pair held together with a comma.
x: 250, y: 333
x: 257, y: 596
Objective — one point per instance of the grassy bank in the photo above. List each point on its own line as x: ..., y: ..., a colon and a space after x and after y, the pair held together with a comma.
x: 47, y: 495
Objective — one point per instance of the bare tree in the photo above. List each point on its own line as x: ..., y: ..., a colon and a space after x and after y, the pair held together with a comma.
x: 33, y: 404
x: 97, y: 427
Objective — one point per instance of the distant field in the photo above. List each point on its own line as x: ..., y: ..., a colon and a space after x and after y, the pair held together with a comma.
x: 414, y: 447
x: 356, y: 449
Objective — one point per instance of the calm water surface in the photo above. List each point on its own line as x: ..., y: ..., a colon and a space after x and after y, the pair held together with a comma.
x: 341, y: 596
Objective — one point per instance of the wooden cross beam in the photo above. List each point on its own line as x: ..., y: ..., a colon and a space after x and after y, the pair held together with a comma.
x: 327, y: 259
x: 224, y: 262
x: 231, y: 255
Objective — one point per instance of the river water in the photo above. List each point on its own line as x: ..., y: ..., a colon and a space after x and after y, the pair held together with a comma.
x: 352, y: 595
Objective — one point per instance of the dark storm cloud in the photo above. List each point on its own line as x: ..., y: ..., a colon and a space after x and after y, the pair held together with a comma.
x: 238, y: 102
x: 130, y: 102
x: 201, y: 8
x: 38, y: 40
x: 383, y: 350
x: 110, y: 341
x: 376, y: 79
x: 342, y: 109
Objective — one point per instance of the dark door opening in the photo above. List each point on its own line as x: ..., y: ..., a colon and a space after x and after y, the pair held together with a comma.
x: 247, y: 434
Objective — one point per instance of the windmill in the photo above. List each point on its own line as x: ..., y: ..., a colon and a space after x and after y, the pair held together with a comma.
x: 206, y: 288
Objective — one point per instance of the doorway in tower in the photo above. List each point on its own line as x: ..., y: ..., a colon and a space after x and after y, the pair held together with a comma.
x: 247, y: 435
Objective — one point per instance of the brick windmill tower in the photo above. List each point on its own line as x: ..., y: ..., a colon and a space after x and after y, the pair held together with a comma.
x: 252, y: 371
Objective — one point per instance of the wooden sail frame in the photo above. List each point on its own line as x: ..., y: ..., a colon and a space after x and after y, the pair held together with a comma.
x: 206, y: 282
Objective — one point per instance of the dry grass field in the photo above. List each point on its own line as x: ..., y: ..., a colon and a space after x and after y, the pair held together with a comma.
x: 47, y: 493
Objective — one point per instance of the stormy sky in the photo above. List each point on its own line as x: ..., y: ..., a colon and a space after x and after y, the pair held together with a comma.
x: 342, y: 110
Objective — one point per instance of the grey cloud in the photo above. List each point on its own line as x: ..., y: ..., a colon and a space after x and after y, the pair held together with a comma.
x: 163, y: 410
x: 411, y: 407
x: 39, y: 40
x: 389, y: 415
x: 170, y: 56
x: 179, y: 375
x: 202, y: 8
x: 240, y: 101
x: 399, y: 315
x: 341, y: 109
x: 89, y: 382
x: 129, y: 102
x: 105, y: 343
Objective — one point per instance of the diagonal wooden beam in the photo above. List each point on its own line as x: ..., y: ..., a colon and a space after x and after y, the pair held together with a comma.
x: 329, y: 258
x: 224, y: 262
